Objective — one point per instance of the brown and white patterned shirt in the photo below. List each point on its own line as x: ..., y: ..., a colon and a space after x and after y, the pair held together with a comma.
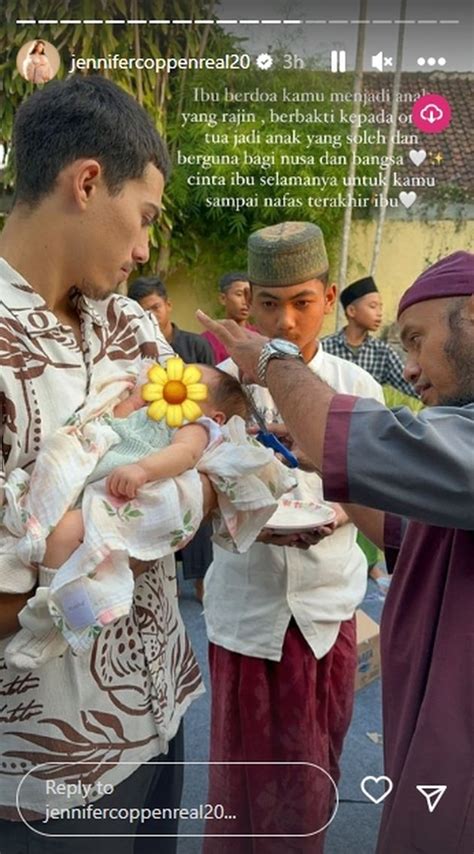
x: 124, y: 700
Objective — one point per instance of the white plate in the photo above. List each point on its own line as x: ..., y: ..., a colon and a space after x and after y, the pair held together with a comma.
x: 294, y: 515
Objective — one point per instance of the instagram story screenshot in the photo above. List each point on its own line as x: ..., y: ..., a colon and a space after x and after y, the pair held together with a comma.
x: 237, y: 427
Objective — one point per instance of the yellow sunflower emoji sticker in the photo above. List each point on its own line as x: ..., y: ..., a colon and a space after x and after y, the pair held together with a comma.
x: 173, y: 392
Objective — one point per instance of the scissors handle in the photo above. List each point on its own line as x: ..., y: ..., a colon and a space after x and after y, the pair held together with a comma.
x: 269, y: 440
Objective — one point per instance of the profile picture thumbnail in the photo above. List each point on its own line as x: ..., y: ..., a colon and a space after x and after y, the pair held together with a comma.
x: 38, y: 61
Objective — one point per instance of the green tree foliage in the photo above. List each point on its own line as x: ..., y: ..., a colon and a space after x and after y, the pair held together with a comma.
x: 189, y: 222
x: 265, y: 145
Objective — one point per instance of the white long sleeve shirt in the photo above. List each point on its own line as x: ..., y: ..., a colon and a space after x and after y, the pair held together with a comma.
x: 250, y: 598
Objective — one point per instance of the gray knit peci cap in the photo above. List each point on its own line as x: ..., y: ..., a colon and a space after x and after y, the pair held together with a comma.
x: 286, y: 254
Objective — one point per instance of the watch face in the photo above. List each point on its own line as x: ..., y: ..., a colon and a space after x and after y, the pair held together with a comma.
x: 286, y: 347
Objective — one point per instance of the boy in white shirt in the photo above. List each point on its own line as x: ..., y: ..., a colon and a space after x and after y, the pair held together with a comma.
x: 280, y: 620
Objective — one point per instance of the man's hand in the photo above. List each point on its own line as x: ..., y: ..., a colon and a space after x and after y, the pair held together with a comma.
x: 244, y: 346
x: 125, y: 481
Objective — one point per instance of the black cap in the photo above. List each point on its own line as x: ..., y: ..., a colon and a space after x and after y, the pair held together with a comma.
x: 357, y: 290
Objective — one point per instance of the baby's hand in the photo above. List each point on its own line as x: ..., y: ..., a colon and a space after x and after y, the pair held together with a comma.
x: 125, y: 481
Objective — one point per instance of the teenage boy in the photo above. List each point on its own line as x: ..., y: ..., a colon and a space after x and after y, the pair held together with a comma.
x: 362, y: 305
x: 280, y: 620
x: 152, y: 295
x: 234, y: 295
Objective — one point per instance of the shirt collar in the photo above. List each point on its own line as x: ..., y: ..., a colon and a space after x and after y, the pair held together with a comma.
x: 30, y: 308
x: 367, y: 340
x: 317, y: 359
x: 88, y: 306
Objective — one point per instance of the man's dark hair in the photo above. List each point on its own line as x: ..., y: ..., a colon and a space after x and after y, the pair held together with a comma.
x: 82, y: 117
x: 144, y: 286
x: 227, y: 280
x: 229, y: 396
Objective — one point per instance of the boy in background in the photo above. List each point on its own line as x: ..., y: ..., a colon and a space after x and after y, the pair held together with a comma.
x: 151, y: 293
x: 234, y: 295
x: 363, y: 309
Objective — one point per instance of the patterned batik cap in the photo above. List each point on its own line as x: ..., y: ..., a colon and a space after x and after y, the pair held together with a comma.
x: 286, y: 254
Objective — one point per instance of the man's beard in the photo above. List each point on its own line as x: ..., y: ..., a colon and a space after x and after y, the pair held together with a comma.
x: 459, y: 351
x: 93, y: 291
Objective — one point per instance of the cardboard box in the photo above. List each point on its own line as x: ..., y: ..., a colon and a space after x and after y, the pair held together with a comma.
x: 368, y: 650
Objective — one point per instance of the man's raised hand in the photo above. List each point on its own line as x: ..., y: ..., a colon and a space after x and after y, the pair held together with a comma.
x: 243, y: 346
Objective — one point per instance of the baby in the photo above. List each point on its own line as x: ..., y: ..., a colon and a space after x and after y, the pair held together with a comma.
x: 150, y: 450
x: 109, y: 487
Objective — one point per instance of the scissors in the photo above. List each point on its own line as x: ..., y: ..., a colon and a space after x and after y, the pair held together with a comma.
x: 269, y: 440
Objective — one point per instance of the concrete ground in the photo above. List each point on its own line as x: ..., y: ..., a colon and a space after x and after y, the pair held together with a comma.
x: 354, y: 829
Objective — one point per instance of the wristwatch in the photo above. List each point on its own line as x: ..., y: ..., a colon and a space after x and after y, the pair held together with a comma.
x: 277, y: 348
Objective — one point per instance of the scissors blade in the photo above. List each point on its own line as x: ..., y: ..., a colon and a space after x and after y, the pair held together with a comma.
x: 256, y: 414
x: 266, y: 437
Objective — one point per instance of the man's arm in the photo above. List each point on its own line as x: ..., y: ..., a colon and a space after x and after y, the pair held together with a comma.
x: 370, y: 522
x: 414, y: 466
x: 305, y: 413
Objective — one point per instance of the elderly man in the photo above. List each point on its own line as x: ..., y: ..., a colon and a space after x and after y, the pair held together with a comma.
x: 418, y: 471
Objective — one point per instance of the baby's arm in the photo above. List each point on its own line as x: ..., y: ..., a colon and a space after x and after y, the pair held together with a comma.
x: 185, y: 450
x: 64, y: 540
x: 130, y: 404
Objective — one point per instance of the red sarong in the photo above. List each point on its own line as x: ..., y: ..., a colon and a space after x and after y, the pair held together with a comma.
x: 295, y: 710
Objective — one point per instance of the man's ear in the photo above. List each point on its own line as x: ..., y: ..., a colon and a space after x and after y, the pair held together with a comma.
x: 85, y: 177
x: 330, y: 295
x: 222, y: 299
x: 350, y: 311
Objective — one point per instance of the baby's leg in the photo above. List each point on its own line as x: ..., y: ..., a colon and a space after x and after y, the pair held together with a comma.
x: 64, y: 540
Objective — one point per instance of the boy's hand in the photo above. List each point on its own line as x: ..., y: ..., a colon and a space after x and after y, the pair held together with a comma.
x: 125, y: 481
x: 295, y: 539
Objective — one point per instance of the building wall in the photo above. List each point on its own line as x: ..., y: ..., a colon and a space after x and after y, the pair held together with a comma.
x: 408, y: 247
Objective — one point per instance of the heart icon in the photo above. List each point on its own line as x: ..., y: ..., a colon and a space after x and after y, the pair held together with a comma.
x: 376, y: 799
x: 417, y: 157
x: 407, y: 199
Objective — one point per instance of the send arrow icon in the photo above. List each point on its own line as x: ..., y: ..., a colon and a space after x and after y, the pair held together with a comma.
x: 432, y: 794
